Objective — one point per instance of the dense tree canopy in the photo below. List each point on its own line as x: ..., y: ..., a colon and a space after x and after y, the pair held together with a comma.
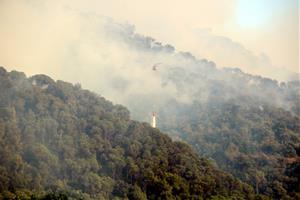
x: 247, y: 124
x: 258, y: 143
x: 58, y: 141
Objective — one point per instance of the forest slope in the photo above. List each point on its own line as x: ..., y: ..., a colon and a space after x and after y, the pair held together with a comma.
x: 56, y: 137
x: 258, y: 144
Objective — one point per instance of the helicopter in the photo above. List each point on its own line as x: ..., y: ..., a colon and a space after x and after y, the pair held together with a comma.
x: 155, y: 66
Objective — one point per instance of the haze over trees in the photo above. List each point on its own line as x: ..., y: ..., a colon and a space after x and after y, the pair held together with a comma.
x: 248, y: 125
x: 59, y: 141
x: 222, y: 133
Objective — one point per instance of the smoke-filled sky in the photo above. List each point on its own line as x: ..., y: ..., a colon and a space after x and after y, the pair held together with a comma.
x: 255, y: 35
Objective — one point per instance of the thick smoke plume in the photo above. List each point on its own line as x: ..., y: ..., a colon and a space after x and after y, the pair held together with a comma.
x: 112, y: 59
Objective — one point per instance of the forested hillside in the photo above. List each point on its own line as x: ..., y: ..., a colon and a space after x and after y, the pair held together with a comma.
x: 247, y: 124
x: 59, y: 141
x: 259, y: 145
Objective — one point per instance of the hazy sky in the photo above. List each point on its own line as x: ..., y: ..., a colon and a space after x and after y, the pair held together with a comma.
x: 239, y: 33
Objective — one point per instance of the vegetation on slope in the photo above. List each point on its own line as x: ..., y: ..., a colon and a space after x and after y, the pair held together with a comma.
x: 57, y: 138
x: 258, y: 143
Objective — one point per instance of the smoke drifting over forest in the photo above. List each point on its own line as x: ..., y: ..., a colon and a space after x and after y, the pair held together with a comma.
x: 243, y: 114
x: 112, y: 59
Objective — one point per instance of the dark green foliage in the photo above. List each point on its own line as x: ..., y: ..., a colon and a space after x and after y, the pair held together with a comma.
x: 58, y: 142
x: 255, y: 142
x: 248, y: 125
